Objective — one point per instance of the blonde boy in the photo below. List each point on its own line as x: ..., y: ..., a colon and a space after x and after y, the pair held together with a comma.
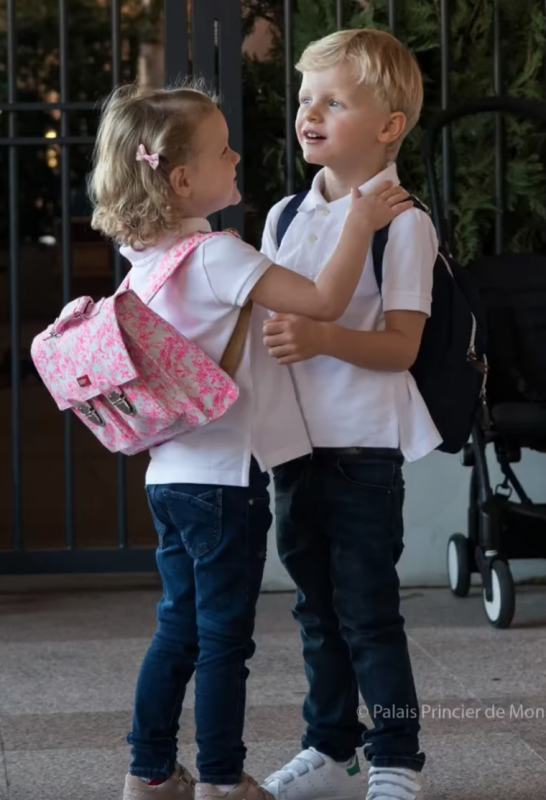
x: 339, y: 511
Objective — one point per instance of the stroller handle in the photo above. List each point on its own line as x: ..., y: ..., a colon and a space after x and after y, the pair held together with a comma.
x: 503, y: 104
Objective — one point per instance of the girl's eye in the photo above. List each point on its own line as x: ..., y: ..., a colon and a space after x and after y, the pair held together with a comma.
x: 304, y: 101
x: 334, y: 104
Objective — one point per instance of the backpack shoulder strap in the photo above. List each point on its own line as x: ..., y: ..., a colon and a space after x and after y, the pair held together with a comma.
x: 234, y: 349
x: 288, y: 213
x: 380, y: 240
x: 379, y: 243
x: 173, y: 258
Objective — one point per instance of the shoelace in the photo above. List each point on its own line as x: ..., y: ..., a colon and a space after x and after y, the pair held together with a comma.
x: 300, y: 765
x: 385, y: 783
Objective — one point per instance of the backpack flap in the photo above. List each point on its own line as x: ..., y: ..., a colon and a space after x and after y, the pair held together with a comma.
x: 80, y: 362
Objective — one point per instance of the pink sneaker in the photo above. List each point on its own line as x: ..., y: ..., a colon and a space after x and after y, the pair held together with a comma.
x: 180, y: 786
x: 246, y: 789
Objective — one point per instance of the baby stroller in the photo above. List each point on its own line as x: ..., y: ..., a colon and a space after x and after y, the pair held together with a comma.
x: 503, y: 523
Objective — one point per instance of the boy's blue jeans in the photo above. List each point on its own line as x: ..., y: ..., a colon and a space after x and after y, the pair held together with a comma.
x: 340, y: 535
x: 211, y: 556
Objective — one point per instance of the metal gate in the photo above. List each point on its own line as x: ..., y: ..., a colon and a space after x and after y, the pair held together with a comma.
x: 66, y: 505
x: 56, y: 517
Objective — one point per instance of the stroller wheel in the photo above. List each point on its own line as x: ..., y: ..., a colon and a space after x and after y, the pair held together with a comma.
x: 458, y: 565
x: 500, y: 610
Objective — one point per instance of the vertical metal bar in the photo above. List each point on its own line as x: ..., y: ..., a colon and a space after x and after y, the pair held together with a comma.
x: 65, y: 238
x: 499, y: 133
x: 116, y: 42
x: 203, y: 45
x: 17, y: 539
x: 121, y: 496
x: 203, y: 25
x: 339, y: 14
x: 289, y: 98
x: 175, y: 38
x: 392, y: 16
x: 230, y: 82
x: 446, y: 133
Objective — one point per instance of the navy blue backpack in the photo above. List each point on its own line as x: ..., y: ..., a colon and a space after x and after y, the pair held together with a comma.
x: 450, y: 369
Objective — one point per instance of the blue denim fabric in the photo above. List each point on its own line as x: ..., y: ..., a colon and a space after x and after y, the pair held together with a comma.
x: 211, y: 556
x: 340, y: 535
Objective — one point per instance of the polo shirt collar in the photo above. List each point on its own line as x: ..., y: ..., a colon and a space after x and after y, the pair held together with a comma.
x: 315, y: 199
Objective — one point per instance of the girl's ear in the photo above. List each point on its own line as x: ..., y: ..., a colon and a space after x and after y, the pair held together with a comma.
x: 179, y: 180
x: 393, y: 128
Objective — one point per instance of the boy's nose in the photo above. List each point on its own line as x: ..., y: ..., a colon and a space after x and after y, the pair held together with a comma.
x: 235, y: 157
x: 312, y: 114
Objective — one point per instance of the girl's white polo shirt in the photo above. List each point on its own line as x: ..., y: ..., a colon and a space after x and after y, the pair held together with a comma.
x: 203, y: 300
x: 344, y: 405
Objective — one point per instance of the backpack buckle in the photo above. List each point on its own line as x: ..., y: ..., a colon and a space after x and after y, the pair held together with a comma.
x: 119, y: 400
x: 89, y: 412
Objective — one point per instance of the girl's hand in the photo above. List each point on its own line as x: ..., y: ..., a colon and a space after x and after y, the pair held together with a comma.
x: 378, y: 207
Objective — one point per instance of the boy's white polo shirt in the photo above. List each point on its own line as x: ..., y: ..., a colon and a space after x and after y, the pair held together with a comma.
x: 344, y: 405
x: 203, y: 300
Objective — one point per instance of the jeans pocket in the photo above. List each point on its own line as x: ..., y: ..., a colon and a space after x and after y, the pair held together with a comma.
x: 198, y: 518
x: 377, y: 476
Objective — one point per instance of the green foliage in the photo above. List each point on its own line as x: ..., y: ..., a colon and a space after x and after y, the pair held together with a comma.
x: 417, y: 25
x: 472, y: 207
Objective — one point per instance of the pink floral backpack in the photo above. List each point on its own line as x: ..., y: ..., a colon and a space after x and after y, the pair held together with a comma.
x: 131, y: 377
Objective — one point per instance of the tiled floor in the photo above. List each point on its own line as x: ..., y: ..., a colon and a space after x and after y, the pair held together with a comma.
x: 68, y: 664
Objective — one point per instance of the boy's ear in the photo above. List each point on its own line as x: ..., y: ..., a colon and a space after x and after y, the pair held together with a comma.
x: 393, y: 128
x: 179, y: 181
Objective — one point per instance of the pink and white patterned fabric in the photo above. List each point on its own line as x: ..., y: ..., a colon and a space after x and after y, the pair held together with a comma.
x: 129, y: 375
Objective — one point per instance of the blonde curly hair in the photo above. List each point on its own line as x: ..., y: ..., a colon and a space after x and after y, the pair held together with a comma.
x: 133, y: 203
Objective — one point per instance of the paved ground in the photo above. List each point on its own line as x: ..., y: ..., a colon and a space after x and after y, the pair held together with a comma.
x: 68, y: 664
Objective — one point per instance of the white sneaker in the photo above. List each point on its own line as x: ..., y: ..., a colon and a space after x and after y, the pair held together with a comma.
x: 314, y: 776
x: 392, y: 783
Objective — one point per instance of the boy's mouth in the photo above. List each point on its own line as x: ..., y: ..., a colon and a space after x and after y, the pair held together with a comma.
x: 312, y: 137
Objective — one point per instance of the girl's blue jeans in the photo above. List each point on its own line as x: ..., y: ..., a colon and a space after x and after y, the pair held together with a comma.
x: 211, y: 556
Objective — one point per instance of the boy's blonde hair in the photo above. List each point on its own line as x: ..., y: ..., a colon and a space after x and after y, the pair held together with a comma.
x: 133, y: 203
x: 379, y: 61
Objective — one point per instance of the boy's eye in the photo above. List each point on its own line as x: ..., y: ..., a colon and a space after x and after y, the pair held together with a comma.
x: 304, y: 101
x: 334, y: 104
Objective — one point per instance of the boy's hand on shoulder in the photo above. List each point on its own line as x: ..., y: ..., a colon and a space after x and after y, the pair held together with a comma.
x: 379, y: 207
x: 290, y: 338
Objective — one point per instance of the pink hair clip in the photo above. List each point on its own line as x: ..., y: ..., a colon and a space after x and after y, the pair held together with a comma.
x: 152, y: 159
